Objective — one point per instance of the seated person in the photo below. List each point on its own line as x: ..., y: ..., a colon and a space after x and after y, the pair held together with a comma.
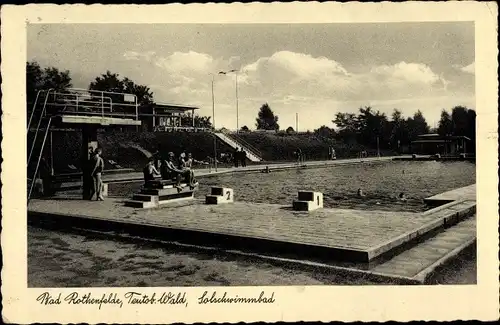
x: 150, y: 170
x: 169, y: 171
x: 188, y: 163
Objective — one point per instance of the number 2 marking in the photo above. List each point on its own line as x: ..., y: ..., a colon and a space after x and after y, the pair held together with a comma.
x: 228, y: 193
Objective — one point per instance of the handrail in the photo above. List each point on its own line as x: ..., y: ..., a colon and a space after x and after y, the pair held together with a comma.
x: 38, y: 126
x: 136, y: 103
x: 243, y: 143
x: 240, y: 144
x: 34, y: 107
x: 241, y: 140
x: 70, y: 95
x: 39, y: 158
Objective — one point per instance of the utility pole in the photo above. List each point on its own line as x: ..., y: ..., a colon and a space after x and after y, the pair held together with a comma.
x: 297, y: 122
x: 237, y: 108
x: 213, y: 123
x: 378, y: 147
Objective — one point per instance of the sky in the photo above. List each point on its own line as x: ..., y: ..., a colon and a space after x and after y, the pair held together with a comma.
x: 312, y: 70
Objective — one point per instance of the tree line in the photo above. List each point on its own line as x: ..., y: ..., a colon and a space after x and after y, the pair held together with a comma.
x: 368, y: 127
x: 373, y: 129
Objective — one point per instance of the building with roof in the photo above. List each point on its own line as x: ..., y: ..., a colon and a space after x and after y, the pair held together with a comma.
x: 169, y: 117
x: 431, y: 144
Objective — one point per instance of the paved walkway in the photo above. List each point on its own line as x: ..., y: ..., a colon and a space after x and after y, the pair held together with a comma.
x: 462, y: 193
x: 418, y: 262
x: 252, y: 168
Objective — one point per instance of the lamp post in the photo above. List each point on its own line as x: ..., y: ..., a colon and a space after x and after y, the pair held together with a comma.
x: 237, y: 100
x: 213, y: 122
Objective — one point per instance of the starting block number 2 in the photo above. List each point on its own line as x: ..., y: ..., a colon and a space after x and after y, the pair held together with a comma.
x: 228, y: 193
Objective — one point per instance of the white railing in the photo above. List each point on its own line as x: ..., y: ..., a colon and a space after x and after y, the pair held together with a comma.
x: 80, y: 101
x: 234, y: 144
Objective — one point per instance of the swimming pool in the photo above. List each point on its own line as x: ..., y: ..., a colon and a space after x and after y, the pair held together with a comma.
x: 381, y: 183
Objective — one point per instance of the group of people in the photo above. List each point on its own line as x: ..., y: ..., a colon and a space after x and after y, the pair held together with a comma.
x: 168, y: 169
x: 240, y: 157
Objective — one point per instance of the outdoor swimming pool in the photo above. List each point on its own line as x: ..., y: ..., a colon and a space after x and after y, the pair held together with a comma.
x: 381, y: 183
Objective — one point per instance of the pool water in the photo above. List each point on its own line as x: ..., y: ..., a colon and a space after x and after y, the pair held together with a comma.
x: 380, y: 182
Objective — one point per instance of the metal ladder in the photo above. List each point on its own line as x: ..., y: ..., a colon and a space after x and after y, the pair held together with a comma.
x: 41, y: 123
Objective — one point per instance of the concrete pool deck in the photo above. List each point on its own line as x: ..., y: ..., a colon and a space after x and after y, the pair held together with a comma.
x: 358, y: 236
x: 462, y: 193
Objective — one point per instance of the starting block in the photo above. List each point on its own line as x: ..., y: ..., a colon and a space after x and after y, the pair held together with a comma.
x: 308, y: 201
x: 220, y: 195
x: 160, y: 192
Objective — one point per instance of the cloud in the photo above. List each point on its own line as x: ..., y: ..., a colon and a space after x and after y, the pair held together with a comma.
x: 290, y: 82
x: 286, y: 73
x: 471, y: 68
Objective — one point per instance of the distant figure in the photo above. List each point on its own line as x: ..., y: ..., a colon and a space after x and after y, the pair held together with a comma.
x: 236, y: 157
x: 402, y: 196
x: 150, y: 171
x: 298, y: 153
x: 360, y: 193
x: 243, y: 156
x: 98, y: 167
x: 333, y: 155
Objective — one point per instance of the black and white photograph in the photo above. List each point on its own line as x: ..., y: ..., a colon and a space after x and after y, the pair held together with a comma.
x: 177, y: 155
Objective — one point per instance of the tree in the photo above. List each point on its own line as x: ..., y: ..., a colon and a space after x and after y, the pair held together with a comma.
x: 199, y: 121
x: 461, y: 122
x: 445, y: 126
x: 266, y: 119
x: 111, y: 82
x: 44, y: 79
x: 399, y: 132
x: 417, y: 125
x: 244, y: 128
x: 460, y: 119
x: 290, y: 130
x: 324, y: 132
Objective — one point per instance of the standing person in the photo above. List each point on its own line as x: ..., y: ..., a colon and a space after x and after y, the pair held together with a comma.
x: 243, y: 158
x: 236, y: 157
x: 46, y: 177
x: 334, y: 155
x: 98, y: 167
x: 299, y: 155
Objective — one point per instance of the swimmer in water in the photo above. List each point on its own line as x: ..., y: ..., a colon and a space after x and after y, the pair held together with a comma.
x: 360, y: 192
x: 402, y: 196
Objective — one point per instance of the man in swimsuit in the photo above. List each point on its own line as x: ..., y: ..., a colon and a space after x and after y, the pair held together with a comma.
x: 150, y: 170
x: 98, y: 167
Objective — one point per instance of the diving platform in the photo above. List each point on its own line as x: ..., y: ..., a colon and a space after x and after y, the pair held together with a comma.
x: 96, y: 120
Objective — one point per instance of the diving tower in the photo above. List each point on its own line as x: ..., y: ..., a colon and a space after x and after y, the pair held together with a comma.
x: 87, y: 110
